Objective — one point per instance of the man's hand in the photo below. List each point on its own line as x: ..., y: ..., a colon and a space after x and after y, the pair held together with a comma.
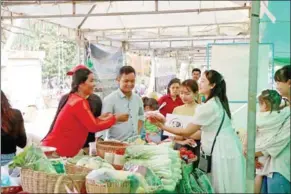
x: 122, y: 117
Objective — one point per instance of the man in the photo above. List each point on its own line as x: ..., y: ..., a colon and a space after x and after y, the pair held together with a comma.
x: 124, y: 100
x: 196, y: 74
x: 94, y: 102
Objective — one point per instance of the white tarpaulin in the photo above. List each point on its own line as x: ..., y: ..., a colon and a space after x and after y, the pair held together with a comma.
x: 165, y: 71
x: 233, y: 62
x: 107, y: 62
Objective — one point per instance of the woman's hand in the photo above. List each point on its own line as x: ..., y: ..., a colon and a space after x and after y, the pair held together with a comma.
x: 258, y: 164
x: 189, y: 142
x: 105, y: 116
x: 155, y: 117
x: 122, y: 117
x: 245, y: 151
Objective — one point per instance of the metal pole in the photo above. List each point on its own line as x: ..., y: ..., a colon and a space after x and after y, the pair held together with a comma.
x: 253, y: 75
x: 124, y: 50
x: 23, y: 16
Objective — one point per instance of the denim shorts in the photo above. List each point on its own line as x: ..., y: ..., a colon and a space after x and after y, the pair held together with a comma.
x: 276, y: 184
x: 6, y: 158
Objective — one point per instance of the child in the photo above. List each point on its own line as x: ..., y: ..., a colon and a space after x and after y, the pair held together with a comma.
x: 269, y: 121
x: 153, y: 134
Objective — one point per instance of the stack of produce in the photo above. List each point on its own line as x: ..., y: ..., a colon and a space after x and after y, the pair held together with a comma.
x: 193, y: 181
x: 153, y: 181
x: 34, y: 158
x: 90, y: 162
x: 162, y: 160
x: 117, y: 180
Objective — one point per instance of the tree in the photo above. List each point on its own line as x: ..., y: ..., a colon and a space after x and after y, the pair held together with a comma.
x: 60, y: 53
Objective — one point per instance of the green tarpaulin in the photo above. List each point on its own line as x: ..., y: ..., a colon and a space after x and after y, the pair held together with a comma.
x: 277, y: 33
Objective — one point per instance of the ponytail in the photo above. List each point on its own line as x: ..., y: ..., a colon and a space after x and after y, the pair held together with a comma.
x: 219, y: 89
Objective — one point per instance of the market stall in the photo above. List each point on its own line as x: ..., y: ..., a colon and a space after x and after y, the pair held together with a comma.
x: 111, y: 167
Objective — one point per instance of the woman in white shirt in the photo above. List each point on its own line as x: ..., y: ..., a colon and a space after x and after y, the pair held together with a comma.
x: 278, y: 179
x: 269, y: 126
x: 228, y: 165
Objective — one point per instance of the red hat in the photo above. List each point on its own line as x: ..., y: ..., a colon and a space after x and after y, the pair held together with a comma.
x: 76, y: 68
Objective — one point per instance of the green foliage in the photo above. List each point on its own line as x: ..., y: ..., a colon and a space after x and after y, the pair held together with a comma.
x: 60, y: 54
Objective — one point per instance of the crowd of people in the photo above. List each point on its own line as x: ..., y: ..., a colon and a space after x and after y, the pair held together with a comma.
x: 83, y: 117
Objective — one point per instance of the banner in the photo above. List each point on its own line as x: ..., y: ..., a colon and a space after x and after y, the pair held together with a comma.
x: 165, y: 71
x: 106, y: 64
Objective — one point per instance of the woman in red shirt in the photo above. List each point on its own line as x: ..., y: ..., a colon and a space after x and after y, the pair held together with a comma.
x: 75, y: 119
x: 171, y: 100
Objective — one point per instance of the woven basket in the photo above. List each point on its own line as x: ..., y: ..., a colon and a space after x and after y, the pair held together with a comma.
x: 74, y: 169
x: 41, y: 182
x: 110, y: 147
x: 92, y: 187
x: 11, y: 190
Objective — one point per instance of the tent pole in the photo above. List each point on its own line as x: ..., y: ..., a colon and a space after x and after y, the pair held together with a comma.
x: 252, y: 95
x: 124, y: 48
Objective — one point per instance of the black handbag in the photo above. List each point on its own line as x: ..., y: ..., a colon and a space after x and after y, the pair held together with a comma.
x: 205, y: 160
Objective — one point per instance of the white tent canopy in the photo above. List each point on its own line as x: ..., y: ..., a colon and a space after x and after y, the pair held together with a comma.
x: 143, y: 25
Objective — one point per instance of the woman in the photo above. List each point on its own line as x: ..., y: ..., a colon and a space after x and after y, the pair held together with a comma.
x: 171, y: 100
x: 12, y: 130
x: 75, y: 119
x: 279, y: 151
x: 95, y: 105
x: 190, y: 97
x: 228, y: 166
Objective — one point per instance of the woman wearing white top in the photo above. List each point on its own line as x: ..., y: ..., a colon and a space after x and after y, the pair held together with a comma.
x: 228, y: 165
x: 278, y: 181
x: 270, y: 122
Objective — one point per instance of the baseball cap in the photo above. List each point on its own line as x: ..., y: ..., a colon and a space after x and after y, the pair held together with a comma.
x: 76, y: 68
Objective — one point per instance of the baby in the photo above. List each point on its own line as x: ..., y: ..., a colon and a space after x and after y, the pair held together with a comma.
x: 153, y: 134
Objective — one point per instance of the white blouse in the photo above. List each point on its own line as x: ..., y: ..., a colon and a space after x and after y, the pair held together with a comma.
x: 209, y: 116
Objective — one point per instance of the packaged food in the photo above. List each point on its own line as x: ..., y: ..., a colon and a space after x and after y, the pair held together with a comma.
x: 109, y: 157
x: 92, y: 149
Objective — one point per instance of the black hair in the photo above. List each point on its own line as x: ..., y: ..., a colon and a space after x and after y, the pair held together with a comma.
x: 196, y: 69
x: 151, y: 102
x: 7, y: 115
x: 79, y: 77
x: 173, y: 81
x: 219, y: 89
x: 192, y: 85
x: 126, y: 70
x: 283, y: 74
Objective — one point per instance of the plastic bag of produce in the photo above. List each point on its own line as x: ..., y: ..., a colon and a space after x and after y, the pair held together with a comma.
x: 83, y: 161
x: 203, y: 181
x: 104, y: 175
x: 29, y: 155
x: 7, y: 179
x: 75, y: 159
x: 43, y: 165
x: 150, y: 177
x: 58, y: 165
